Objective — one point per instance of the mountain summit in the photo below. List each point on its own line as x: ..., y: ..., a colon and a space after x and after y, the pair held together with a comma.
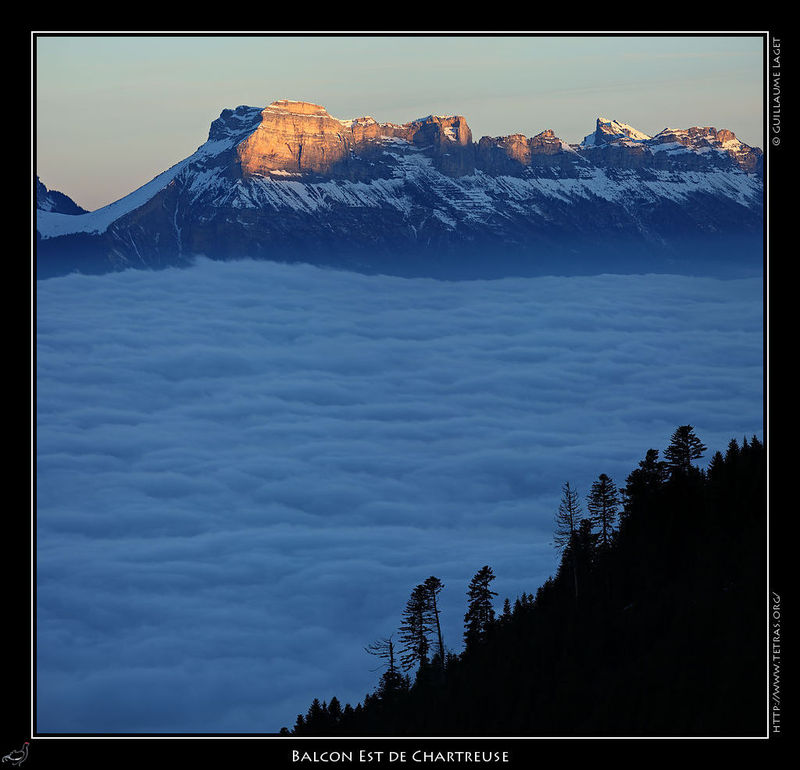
x: 291, y: 182
x: 299, y: 137
x: 608, y: 131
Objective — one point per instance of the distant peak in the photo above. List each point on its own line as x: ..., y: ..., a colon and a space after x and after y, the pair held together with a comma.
x: 611, y: 130
x: 700, y: 136
x: 53, y: 200
x: 707, y: 133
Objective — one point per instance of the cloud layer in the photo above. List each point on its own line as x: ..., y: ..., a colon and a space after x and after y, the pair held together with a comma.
x: 244, y: 468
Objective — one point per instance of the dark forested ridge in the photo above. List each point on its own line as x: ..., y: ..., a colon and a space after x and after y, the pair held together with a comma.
x: 653, y: 625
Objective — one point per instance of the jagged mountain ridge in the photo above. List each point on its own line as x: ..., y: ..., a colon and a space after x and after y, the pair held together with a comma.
x: 291, y: 182
x: 52, y: 200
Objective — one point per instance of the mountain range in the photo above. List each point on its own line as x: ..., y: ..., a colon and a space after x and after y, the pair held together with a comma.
x: 290, y: 182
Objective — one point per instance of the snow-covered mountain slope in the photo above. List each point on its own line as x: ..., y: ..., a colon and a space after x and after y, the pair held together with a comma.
x: 51, y: 224
x: 292, y: 182
x: 226, y: 132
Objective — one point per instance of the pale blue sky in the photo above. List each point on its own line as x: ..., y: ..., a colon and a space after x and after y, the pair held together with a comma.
x: 114, y: 111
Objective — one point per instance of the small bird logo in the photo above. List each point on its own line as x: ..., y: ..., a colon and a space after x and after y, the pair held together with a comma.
x: 16, y: 758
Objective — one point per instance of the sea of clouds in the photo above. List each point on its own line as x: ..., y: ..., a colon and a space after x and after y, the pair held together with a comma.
x: 243, y: 469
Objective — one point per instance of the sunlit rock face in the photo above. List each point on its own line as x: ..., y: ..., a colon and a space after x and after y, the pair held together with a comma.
x: 514, y: 153
x: 299, y: 137
x: 296, y: 137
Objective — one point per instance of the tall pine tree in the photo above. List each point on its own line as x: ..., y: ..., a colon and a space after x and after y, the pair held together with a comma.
x: 567, y: 517
x: 480, y: 611
x: 684, y: 447
x: 433, y: 586
x: 603, y: 503
x: 567, y: 521
x: 415, y: 629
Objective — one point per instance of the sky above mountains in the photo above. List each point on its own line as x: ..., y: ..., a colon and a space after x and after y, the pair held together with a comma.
x: 112, y: 112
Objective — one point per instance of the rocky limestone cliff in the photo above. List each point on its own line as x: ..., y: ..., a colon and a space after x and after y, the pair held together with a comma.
x: 297, y: 137
x: 701, y: 139
x: 294, y: 137
x: 514, y: 153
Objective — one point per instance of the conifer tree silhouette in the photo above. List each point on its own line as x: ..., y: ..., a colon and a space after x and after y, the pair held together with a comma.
x: 433, y: 587
x: 684, y: 447
x: 603, y: 503
x: 643, y: 483
x: 415, y: 628
x: 567, y: 522
x: 480, y: 612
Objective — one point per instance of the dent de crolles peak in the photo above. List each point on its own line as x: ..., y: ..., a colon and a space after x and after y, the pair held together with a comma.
x: 296, y: 136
